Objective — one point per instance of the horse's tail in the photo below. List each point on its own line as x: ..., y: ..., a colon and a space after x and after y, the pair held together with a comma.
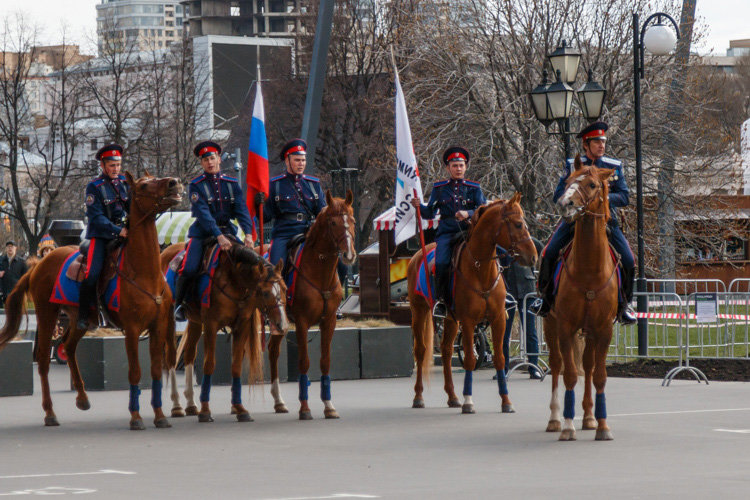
x: 15, y: 306
x: 255, y: 349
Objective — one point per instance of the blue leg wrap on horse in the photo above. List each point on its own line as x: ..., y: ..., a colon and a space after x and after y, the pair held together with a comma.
x: 156, y: 393
x: 325, y: 388
x: 468, y: 377
x: 236, y: 391
x: 600, y: 407
x: 502, y: 383
x: 570, y: 404
x: 205, y: 388
x: 135, y: 391
x: 304, y: 382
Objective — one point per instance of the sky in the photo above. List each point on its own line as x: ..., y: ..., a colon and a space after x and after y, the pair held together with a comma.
x: 725, y: 20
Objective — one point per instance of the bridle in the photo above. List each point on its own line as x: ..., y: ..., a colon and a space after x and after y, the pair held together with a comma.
x: 336, y: 241
x: 583, y: 210
x: 157, y: 208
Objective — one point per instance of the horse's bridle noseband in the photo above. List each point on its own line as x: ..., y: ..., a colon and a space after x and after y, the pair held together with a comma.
x: 584, y: 209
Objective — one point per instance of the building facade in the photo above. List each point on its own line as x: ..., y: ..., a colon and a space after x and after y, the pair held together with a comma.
x: 147, y: 24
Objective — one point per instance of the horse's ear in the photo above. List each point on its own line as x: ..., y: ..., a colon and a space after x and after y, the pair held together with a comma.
x: 516, y: 198
x: 349, y: 197
x: 604, y: 173
x: 147, y: 173
x: 129, y: 178
x: 329, y: 198
x: 261, y: 267
x: 279, y: 266
x: 577, y: 165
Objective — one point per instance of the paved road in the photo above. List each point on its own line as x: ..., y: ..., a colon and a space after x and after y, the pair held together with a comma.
x: 687, y: 441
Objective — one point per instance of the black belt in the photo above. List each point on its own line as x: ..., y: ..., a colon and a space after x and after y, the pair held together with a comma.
x: 298, y: 217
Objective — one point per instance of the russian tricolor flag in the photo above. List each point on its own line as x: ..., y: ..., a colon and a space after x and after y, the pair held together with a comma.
x: 257, y: 158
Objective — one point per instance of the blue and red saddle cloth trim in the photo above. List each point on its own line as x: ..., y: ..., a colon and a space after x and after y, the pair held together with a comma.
x: 566, y: 252
x: 422, y: 287
x: 205, y: 280
x: 67, y: 291
x: 290, y: 275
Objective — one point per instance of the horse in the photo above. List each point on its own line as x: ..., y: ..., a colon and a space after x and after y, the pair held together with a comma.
x: 242, y: 282
x: 478, y: 275
x: 588, y: 284
x: 316, y: 296
x: 145, y: 302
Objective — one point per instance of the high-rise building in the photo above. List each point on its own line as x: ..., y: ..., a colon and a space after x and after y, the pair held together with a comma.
x: 142, y: 24
x: 272, y: 18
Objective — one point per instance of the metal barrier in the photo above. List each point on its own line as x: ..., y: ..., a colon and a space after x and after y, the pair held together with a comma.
x: 684, y: 287
x: 522, y: 359
x: 739, y: 285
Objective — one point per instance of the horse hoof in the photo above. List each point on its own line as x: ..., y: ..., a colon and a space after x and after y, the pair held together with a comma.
x: 589, y: 424
x: 178, y: 412
x: 244, y: 417
x: 83, y: 404
x: 51, y: 421
x: 331, y: 414
x: 554, y: 426
x: 280, y: 408
x: 205, y: 417
x: 567, y: 435
x: 468, y: 409
x: 162, y: 423
x: 418, y: 403
x: 305, y: 415
x: 508, y: 408
x: 603, y: 435
x: 454, y: 403
x: 191, y: 410
x: 233, y: 411
x: 137, y: 425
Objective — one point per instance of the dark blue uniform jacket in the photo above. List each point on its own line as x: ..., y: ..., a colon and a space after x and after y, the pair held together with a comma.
x: 216, y: 200
x: 107, y: 206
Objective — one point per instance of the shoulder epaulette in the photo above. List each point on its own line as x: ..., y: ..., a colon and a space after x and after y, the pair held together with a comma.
x: 311, y: 178
x: 472, y: 183
x: 441, y: 183
x: 277, y: 177
x: 230, y: 179
x: 198, y: 179
x: 122, y: 177
x: 611, y: 161
x: 97, y: 182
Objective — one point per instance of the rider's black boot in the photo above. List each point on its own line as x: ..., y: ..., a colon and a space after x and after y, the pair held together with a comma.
x: 625, y: 313
x: 87, y: 295
x: 180, y: 290
x: 439, y: 310
x: 542, y: 305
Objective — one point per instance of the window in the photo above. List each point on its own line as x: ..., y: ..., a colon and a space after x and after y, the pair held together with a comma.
x: 169, y: 23
x: 93, y: 145
x: 169, y: 33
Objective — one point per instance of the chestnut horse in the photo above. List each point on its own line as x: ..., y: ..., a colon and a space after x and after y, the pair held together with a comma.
x: 242, y: 282
x: 145, y: 302
x: 589, y: 288
x: 317, y: 295
x: 482, y: 296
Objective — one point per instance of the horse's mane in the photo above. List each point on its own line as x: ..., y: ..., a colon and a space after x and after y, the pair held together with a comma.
x: 313, y: 234
x: 479, y: 212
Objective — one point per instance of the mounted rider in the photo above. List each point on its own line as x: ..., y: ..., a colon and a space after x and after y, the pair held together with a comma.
x: 455, y: 199
x: 216, y: 199
x: 294, y: 200
x: 593, y: 141
x: 107, y: 208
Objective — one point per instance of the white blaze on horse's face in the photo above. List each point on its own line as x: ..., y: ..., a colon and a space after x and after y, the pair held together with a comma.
x: 566, y: 202
x: 350, y: 254
x: 282, y: 325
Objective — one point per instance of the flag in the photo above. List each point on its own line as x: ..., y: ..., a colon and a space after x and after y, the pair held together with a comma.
x: 407, y: 173
x: 257, y: 158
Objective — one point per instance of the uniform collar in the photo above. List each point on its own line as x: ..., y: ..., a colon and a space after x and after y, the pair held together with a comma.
x: 212, y: 177
x: 295, y: 177
x: 457, y: 181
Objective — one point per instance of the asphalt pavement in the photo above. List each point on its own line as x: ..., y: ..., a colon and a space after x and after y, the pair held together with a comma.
x: 688, y: 440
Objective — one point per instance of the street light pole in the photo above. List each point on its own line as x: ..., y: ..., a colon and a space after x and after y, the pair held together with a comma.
x: 660, y: 44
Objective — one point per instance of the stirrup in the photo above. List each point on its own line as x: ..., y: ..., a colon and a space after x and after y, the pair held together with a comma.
x: 179, y: 313
x: 627, y: 316
x: 439, y: 310
x: 539, y: 307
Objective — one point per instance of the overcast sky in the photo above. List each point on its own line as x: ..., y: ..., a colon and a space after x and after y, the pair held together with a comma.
x: 725, y: 20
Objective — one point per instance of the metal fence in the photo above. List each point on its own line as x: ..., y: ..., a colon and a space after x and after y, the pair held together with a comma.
x: 687, y: 319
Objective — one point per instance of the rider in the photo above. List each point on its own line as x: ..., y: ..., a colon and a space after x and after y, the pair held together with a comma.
x: 594, y: 141
x: 107, y: 208
x: 455, y: 199
x: 216, y: 199
x: 294, y: 200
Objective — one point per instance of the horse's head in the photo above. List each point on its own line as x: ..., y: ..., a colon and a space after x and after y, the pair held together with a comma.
x: 511, y: 231
x: 152, y: 195
x: 586, y: 192
x: 337, y: 223
x: 255, y: 272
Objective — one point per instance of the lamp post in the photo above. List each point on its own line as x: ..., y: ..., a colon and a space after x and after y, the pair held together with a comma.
x: 659, y: 40
x: 553, y: 102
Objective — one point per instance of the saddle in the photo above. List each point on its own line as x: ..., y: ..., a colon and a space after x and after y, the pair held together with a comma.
x: 77, y: 269
x: 291, y: 252
x: 565, y: 252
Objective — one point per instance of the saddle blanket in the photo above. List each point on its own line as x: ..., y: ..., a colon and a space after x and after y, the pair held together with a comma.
x: 205, y: 279
x: 566, y: 252
x: 67, y: 291
x: 422, y: 288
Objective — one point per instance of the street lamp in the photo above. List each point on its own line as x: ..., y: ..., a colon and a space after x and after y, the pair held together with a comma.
x: 659, y: 40
x: 553, y: 102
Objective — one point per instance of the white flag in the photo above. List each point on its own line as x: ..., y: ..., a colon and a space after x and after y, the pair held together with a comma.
x: 407, y: 175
